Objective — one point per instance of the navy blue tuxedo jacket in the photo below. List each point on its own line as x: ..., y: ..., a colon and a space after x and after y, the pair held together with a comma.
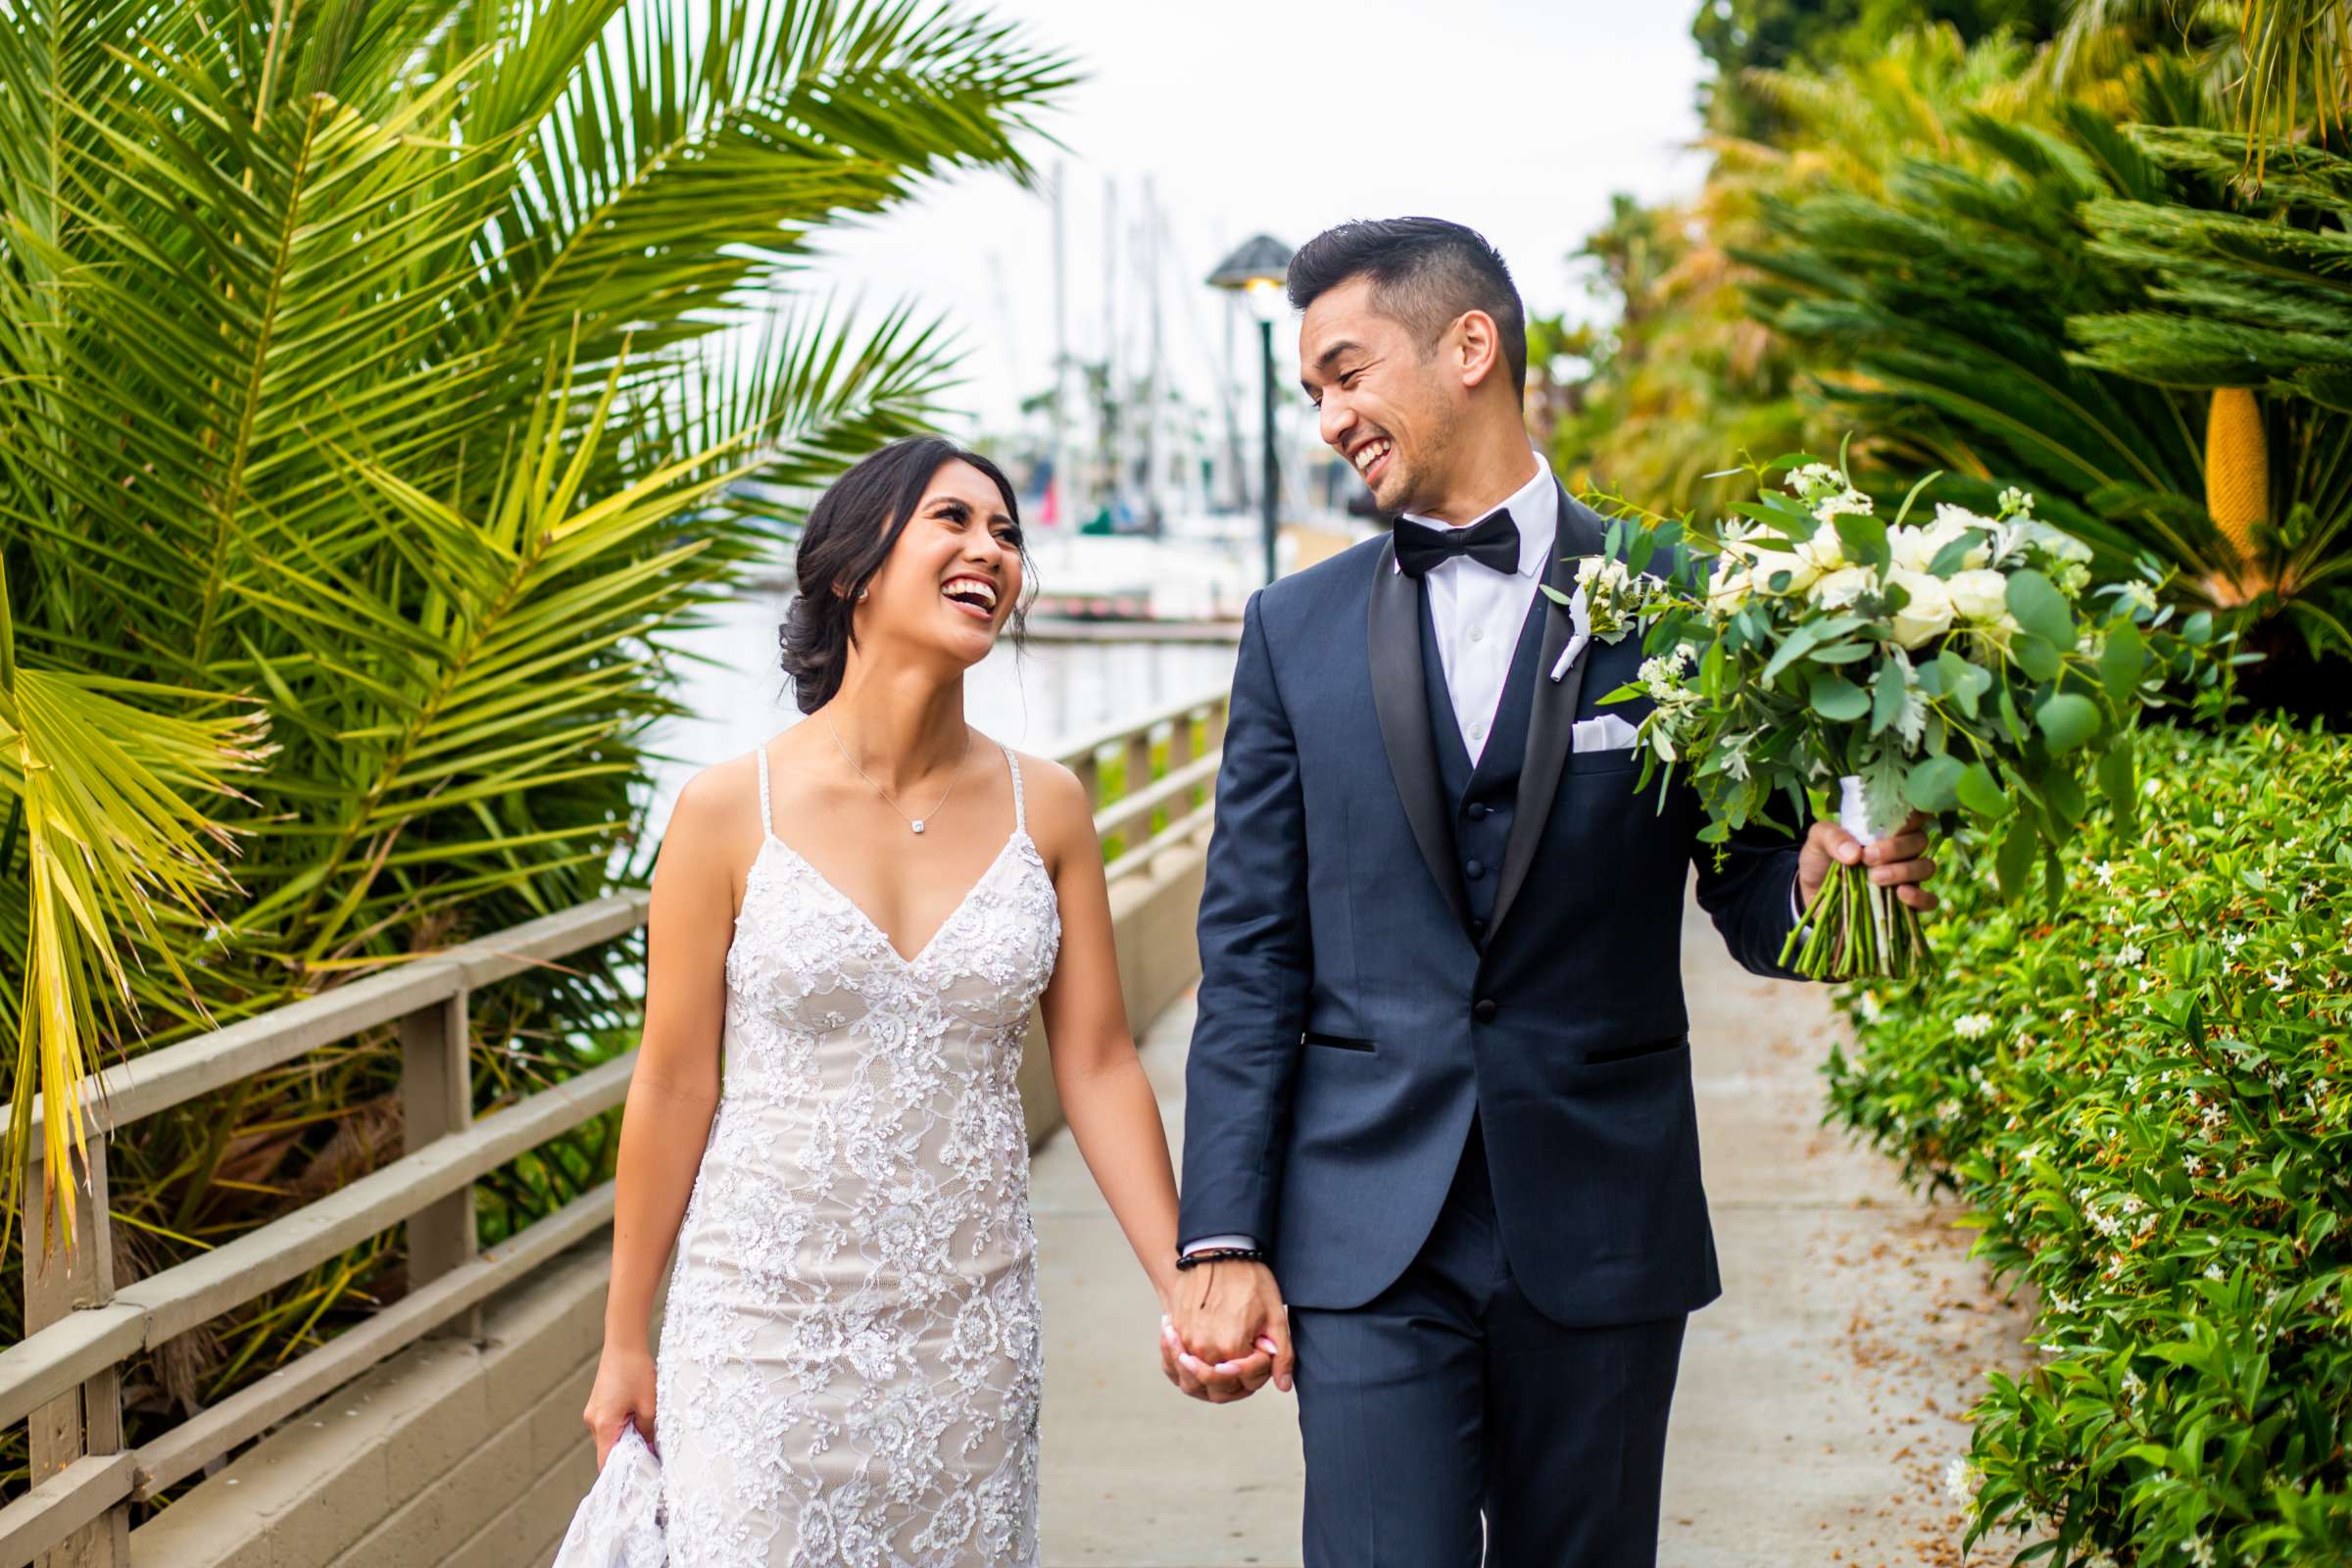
x: 1351, y: 1024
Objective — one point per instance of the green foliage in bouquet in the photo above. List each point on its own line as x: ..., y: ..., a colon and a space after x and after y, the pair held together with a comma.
x: 2142, y: 1091
x: 1964, y: 664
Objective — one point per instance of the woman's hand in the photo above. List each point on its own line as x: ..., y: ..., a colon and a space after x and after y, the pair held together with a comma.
x: 1228, y: 1334
x: 623, y: 1392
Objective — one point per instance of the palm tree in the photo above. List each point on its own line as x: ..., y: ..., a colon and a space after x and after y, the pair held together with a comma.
x: 1689, y: 376
x: 2281, y: 67
x: 393, y: 377
x: 1997, y: 316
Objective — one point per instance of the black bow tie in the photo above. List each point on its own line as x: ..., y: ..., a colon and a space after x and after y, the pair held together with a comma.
x: 1493, y: 544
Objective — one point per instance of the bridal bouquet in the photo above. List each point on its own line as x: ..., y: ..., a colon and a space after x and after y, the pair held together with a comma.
x: 1846, y: 663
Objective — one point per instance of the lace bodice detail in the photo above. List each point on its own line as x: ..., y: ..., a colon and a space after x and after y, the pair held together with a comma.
x: 848, y: 1371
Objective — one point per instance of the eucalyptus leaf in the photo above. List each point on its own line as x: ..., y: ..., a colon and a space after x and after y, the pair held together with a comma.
x: 1933, y: 784
x: 2117, y: 779
x: 2068, y: 720
x: 1833, y: 697
x: 2037, y: 658
x: 1955, y: 553
x: 2013, y: 861
x: 2041, y: 610
x: 2065, y: 796
x: 2120, y: 661
x: 1981, y: 792
x: 1887, y: 690
x: 1865, y: 539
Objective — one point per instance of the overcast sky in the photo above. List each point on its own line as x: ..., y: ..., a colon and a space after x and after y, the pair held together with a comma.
x: 1519, y: 118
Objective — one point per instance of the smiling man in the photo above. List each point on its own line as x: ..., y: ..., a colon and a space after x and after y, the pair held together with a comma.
x: 1440, y: 1091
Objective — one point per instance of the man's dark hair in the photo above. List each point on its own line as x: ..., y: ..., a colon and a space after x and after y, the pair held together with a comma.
x: 1426, y: 272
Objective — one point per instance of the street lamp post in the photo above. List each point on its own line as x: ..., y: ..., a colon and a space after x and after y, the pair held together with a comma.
x: 1257, y: 271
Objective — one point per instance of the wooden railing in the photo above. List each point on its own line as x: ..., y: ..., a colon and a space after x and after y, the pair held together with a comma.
x: 63, y: 1377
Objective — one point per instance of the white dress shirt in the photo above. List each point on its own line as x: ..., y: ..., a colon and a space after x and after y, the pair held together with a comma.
x: 1478, y: 611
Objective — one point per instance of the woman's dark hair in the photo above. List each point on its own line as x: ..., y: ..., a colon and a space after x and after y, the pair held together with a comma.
x: 851, y: 532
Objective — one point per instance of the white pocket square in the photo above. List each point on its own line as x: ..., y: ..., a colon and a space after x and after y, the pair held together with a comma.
x: 1606, y: 733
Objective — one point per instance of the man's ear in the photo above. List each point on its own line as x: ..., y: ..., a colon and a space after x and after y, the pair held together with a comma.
x: 1476, y: 347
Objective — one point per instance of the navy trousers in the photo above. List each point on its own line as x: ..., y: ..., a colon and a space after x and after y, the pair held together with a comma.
x: 1448, y: 1422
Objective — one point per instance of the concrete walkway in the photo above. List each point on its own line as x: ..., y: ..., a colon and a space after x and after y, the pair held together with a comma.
x: 1820, y: 1399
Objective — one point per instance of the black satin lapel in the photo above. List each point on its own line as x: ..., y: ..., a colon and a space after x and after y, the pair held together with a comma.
x: 1399, y: 697
x: 1553, y: 723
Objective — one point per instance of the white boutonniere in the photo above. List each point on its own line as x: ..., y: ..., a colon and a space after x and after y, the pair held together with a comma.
x: 1608, y: 603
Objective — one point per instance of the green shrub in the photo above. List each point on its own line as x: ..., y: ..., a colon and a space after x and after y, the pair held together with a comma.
x: 2142, y: 1097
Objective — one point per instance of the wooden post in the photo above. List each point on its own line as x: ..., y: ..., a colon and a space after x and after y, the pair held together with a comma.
x: 1139, y: 760
x: 1088, y: 769
x: 88, y: 1420
x: 1180, y: 740
x: 1214, y: 739
x: 436, y: 1099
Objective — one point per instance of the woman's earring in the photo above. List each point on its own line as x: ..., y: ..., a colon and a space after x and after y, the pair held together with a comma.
x: 862, y: 592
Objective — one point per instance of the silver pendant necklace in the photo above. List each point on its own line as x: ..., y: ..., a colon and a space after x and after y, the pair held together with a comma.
x: 914, y: 823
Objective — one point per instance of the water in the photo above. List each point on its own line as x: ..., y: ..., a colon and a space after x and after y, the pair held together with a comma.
x: 1052, y: 692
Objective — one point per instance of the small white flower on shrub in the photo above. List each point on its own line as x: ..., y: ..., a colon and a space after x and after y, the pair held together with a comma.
x: 1973, y: 1025
x: 1961, y: 1479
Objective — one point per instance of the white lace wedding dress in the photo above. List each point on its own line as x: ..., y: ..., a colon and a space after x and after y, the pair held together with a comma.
x: 848, y: 1372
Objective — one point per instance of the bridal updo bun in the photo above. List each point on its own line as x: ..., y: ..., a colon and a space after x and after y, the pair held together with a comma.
x: 851, y: 532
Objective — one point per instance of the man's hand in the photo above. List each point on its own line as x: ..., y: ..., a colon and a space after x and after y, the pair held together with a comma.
x: 1898, y: 860
x: 1227, y: 1332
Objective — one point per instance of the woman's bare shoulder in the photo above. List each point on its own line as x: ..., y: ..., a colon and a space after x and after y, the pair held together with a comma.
x: 719, y: 803
x: 1059, y: 806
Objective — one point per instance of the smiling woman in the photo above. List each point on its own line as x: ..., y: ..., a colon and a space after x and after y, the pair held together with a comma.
x: 847, y: 553
x: 850, y: 1350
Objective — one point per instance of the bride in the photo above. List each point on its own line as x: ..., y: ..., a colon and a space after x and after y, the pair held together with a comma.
x: 857, y: 919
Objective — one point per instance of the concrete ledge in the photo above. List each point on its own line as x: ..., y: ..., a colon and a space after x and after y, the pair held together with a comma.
x: 1153, y: 918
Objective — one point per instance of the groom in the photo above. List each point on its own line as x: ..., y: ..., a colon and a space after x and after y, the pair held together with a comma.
x: 1439, y: 1100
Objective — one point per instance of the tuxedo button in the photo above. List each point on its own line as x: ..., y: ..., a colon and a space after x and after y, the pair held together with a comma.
x: 1486, y: 1010
x: 1479, y: 814
x: 1477, y: 634
x: 1474, y: 870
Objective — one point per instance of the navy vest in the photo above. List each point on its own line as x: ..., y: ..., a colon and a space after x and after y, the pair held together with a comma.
x: 1481, y: 798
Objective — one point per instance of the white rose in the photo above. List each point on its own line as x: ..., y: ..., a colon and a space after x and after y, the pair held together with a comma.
x: 1979, y: 595
x: 1610, y: 573
x: 1825, y: 551
x: 1730, y: 587
x: 1836, y: 590
x: 1771, y: 564
x: 1910, y: 548
x: 1946, y: 531
x: 1930, y: 611
x: 1915, y: 549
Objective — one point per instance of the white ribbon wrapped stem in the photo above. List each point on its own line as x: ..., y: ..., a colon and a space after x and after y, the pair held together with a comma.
x: 1854, y: 818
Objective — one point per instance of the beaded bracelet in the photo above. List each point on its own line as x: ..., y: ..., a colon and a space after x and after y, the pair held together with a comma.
x: 1221, y: 1254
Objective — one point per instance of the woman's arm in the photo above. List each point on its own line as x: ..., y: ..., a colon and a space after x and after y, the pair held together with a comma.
x: 673, y: 1091
x: 1105, y: 1094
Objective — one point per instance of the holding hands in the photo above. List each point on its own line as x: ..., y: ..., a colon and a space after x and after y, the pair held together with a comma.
x: 1226, y: 1332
